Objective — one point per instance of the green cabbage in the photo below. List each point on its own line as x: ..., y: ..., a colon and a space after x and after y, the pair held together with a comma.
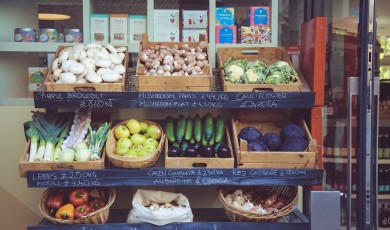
x: 234, y: 70
x: 281, y: 66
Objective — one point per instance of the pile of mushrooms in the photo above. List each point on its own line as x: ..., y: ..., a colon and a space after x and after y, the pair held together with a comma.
x: 91, y: 63
x: 178, y: 60
x: 155, y: 206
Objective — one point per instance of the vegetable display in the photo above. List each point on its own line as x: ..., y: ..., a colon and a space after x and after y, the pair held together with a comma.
x: 61, y: 139
x: 257, y: 72
x: 290, y: 139
x: 91, y: 63
x: 190, y: 137
x: 74, y: 204
x: 263, y: 204
x: 178, y: 60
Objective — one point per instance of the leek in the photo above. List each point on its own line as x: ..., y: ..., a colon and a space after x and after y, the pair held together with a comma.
x: 49, y: 127
x: 33, y: 134
x: 63, y: 135
x: 41, y: 150
x: 97, y: 139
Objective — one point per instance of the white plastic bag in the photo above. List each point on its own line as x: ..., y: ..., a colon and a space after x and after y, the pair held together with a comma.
x: 141, y: 213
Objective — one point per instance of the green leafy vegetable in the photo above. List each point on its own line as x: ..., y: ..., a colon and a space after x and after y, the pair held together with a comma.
x: 256, y: 72
x: 33, y: 134
x: 97, y: 139
x: 289, y: 73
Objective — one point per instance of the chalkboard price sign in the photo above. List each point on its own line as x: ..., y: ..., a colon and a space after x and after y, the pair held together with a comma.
x: 162, y: 176
x: 174, y: 99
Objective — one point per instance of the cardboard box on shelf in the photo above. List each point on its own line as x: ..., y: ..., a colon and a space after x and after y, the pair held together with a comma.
x: 259, y: 16
x: 99, y: 28
x: 195, y: 19
x: 137, y: 27
x: 166, y: 25
x: 224, y: 16
x: 225, y: 34
x: 255, y: 35
x: 118, y: 28
x: 192, y: 35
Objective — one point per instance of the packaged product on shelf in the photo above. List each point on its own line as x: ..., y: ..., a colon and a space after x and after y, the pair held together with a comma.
x: 73, y: 36
x: 225, y: 34
x: 259, y: 16
x: 192, y: 35
x: 195, y: 19
x: 99, y: 28
x: 255, y: 35
x: 118, y: 28
x: 25, y: 35
x: 36, y: 74
x: 48, y: 35
x: 166, y: 25
x: 137, y: 27
x: 159, y: 208
x: 224, y: 16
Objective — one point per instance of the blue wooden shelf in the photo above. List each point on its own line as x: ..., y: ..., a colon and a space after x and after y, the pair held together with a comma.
x: 213, y: 219
x: 173, y: 177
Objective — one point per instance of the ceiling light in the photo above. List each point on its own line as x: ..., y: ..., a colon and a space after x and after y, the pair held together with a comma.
x: 53, y: 17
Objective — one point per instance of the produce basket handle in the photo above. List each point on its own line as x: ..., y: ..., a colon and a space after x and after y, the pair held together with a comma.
x: 262, y: 90
x: 84, y: 89
x: 61, y: 167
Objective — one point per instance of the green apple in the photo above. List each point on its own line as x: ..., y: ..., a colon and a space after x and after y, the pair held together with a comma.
x: 125, y: 142
x: 121, y: 150
x: 150, y: 141
x: 137, y: 139
x: 121, y: 131
x: 146, y: 150
x: 144, y: 126
x: 154, y: 132
x: 136, y: 148
x: 131, y: 154
x: 134, y: 126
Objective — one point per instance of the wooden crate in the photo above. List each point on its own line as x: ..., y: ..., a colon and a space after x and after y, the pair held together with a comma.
x: 200, y: 162
x: 271, y: 121
x: 172, y: 83
x: 86, y: 87
x: 25, y: 165
x: 268, y: 55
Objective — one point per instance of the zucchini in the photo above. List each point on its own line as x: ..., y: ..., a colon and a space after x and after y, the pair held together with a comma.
x: 183, y: 145
x: 169, y: 129
x: 219, y: 129
x: 197, y: 128
x: 180, y: 128
x: 189, y: 127
x: 208, y: 126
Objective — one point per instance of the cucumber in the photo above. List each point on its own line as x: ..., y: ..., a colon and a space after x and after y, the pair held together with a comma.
x: 176, y: 144
x: 180, y: 128
x: 204, y: 139
x: 208, y: 126
x: 189, y: 127
x: 169, y: 129
x: 219, y: 129
x: 197, y: 128
x: 183, y: 145
x: 192, y: 141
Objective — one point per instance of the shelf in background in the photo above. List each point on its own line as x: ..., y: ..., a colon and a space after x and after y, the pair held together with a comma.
x: 344, y: 160
x: 203, y: 219
x: 173, y: 177
x: 240, y: 45
x: 46, y: 47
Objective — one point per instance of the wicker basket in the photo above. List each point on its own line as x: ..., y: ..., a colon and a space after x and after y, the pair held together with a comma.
x: 140, y: 162
x: 98, y: 217
x: 238, y: 215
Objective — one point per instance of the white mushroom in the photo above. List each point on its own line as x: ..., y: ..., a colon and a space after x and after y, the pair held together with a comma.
x: 82, y: 81
x: 89, y: 64
x: 54, y: 65
x: 103, y: 63
x: 91, y: 52
x: 120, y: 69
x: 68, y: 78
x: 66, y: 64
x: 101, y: 71
x: 111, y: 76
x: 104, y: 51
x: 59, y: 82
x: 76, y: 68
x: 121, y: 49
x: 115, y: 59
x: 57, y: 73
x: 94, y: 77
x: 78, y: 46
x: 67, y: 49
x: 76, y: 54
x: 83, y: 55
x: 93, y: 46
x: 122, y: 56
x: 63, y: 57
x: 111, y: 48
x: 100, y: 55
